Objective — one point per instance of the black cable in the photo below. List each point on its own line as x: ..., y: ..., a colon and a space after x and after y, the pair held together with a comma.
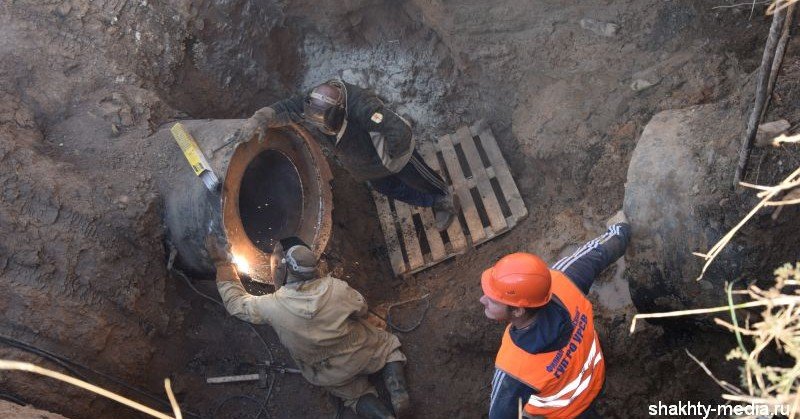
x: 43, y: 354
x: 13, y: 399
x: 219, y: 303
x: 70, y: 365
x: 263, y: 409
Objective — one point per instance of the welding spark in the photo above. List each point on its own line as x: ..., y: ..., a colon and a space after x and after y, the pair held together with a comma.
x: 241, y: 264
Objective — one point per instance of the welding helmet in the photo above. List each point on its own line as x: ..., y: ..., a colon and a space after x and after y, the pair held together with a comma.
x: 298, y: 259
x: 325, y: 106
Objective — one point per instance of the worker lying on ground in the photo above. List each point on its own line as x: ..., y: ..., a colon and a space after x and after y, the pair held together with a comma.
x: 550, y: 359
x: 322, y: 322
x: 371, y: 142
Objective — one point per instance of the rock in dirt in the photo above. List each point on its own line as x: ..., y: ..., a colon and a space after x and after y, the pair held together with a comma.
x: 769, y: 130
x: 672, y: 198
x: 641, y: 84
x: 606, y: 29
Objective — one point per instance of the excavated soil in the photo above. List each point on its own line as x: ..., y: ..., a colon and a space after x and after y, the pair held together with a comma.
x: 82, y: 259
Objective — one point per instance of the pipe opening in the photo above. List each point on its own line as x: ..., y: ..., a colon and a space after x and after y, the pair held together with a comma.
x: 271, y: 189
x: 270, y: 199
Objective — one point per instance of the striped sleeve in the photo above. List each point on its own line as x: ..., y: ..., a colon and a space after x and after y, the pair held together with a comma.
x: 507, y: 392
x: 591, y: 259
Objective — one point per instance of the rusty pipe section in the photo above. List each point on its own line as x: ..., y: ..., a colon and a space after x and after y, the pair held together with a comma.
x: 271, y: 190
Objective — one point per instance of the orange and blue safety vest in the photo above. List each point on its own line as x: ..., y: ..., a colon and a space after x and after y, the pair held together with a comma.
x: 564, y: 381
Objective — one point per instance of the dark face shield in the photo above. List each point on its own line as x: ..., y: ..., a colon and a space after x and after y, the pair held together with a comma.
x: 324, y: 107
x: 317, y: 118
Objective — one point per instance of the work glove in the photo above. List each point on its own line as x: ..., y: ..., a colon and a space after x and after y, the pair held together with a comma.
x: 219, y: 250
x: 261, y: 121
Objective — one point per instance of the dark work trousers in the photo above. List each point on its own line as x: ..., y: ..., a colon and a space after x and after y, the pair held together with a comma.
x: 415, y: 184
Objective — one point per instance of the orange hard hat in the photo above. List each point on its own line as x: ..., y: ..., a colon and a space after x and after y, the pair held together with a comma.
x: 518, y: 280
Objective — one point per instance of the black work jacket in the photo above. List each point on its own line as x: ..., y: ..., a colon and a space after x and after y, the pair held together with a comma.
x: 358, y: 150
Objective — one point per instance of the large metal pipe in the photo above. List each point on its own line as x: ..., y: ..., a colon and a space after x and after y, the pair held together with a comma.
x: 270, y: 190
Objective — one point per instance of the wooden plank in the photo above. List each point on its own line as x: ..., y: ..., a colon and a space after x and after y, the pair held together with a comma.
x: 389, y: 233
x: 411, y: 260
x: 459, y: 184
x: 457, y: 240
x: 432, y: 234
x: 410, y: 240
x: 493, y: 210
x: 502, y: 173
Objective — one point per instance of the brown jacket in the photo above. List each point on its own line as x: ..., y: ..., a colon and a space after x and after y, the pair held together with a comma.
x: 322, y: 324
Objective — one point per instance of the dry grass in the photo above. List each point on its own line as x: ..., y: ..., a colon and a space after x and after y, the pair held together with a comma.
x: 779, y: 328
x: 766, y: 194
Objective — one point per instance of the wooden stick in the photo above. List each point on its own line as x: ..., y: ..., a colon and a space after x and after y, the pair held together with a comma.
x: 176, y: 410
x: 779, y: 52
x: 761, y: 93
x: 779, y: 301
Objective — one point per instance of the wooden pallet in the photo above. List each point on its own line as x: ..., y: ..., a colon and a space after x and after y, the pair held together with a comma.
x: 491, y: 204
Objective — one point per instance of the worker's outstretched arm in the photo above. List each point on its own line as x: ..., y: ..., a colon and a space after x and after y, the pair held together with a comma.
x: 293, y: 104
x: 237, y: 300
x: 279, y: 114
x: 583, y: 266
x: 506, y: 393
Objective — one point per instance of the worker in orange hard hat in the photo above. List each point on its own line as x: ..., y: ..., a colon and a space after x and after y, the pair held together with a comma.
x: 550, y: 362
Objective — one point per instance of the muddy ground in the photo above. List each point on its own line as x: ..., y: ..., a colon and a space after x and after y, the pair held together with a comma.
x: 82, y: 260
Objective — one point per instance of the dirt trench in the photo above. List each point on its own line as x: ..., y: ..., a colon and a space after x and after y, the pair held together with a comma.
x: 83, y: 84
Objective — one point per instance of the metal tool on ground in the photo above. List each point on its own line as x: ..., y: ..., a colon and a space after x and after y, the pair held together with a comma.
x: 261, y: 376
x: 195, y: 157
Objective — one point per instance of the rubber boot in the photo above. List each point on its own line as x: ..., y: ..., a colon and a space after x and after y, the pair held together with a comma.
x: 396, y: 385
x: 369, y: 406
